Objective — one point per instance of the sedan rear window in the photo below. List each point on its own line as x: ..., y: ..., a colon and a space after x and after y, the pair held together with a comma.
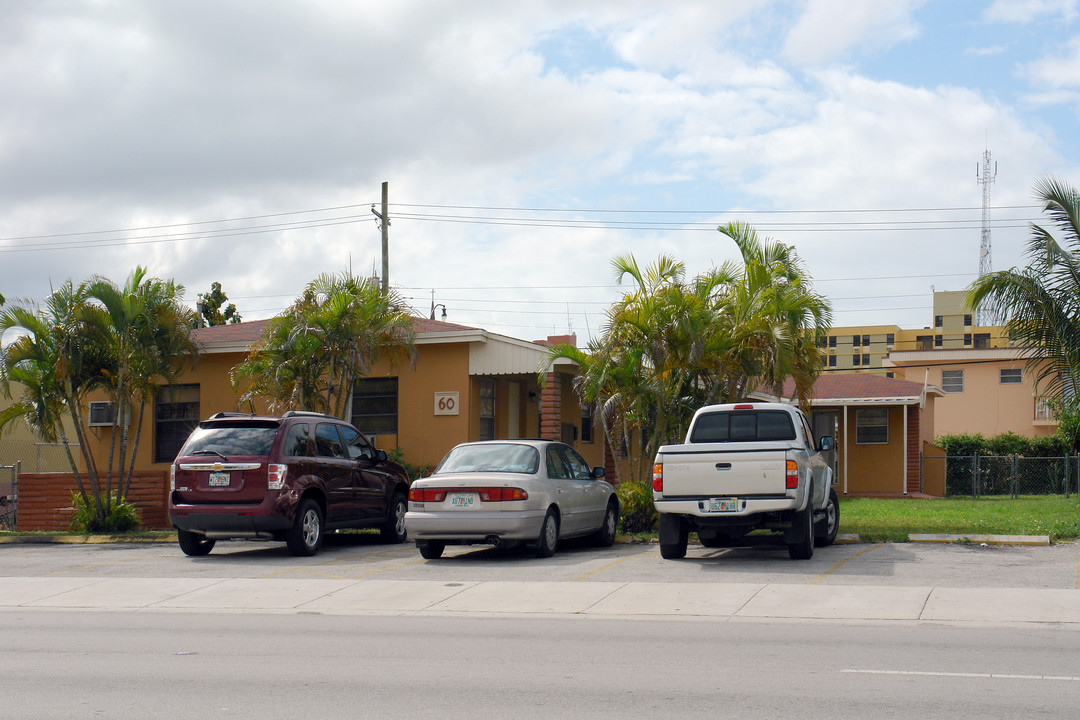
x: 498, y: 457
x: 743, y: 426
x: 231, y: 439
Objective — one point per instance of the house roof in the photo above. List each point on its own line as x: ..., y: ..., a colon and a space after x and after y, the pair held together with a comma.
x: 863, y: 389
x: 239, y: 336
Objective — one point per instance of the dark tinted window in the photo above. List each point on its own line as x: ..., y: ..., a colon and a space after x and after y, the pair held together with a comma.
x: 743, y: 426
x: 327, y: 441
x: 231, y: 439
x: 297, y: 441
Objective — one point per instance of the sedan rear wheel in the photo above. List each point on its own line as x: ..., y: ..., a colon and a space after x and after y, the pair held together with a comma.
x: 430, y: 549
x: 605, y: 536
x: 549, y: 536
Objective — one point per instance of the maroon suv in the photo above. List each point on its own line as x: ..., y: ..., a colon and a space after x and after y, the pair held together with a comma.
x: 289, y: 478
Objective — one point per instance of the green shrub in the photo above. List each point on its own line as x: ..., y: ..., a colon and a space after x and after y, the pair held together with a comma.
x: 415, y: 472
x: 638, y: 511
x: 124, y: 516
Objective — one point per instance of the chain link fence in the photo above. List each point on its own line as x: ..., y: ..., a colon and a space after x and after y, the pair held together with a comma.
x: 1007, y: 475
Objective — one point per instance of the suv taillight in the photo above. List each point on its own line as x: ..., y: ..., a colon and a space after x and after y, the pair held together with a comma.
x: 275, y: 476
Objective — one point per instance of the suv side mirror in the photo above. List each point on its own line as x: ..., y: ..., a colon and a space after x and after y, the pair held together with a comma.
x: 380, y: 456
x: 826, y: 443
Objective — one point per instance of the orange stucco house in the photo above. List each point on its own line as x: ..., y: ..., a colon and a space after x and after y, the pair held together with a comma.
x: 883, y: 427
x: 464, y: 384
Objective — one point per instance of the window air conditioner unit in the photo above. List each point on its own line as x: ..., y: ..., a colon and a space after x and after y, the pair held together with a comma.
x: 102, y: 413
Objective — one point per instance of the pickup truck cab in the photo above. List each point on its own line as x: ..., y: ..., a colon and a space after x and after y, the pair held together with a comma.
x: 744, y: 467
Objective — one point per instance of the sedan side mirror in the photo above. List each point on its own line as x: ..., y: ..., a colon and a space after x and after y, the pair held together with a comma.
x: 598, y: 472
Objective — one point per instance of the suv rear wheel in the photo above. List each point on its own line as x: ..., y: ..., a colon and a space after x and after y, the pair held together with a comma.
x: 193, y: 544
x: 305, y: 536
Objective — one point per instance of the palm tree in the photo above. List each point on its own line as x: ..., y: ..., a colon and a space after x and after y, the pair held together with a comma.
x: 312, y: 355
x: 96, y: 336
x: 1041, y: 302
x: 670, y: 345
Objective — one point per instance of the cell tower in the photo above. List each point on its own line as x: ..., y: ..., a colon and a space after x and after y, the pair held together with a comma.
x: 985, y: 177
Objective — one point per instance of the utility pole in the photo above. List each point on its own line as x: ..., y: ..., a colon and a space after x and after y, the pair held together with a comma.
x: 384, y: 226
x: 985, y: 177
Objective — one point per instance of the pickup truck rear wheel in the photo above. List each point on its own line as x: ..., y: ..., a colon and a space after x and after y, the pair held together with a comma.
x: 803, y: 548
x: 674, y: 535
x: 825, y: 532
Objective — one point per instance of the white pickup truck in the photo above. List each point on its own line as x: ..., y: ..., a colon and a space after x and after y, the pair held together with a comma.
x: 744, y: 467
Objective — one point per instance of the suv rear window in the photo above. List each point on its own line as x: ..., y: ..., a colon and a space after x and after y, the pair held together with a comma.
x: 228, y: 439
x: 743, y: 426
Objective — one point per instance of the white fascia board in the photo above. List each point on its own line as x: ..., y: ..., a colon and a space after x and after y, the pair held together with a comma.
x: 225, y: 347
x: 932, y: 357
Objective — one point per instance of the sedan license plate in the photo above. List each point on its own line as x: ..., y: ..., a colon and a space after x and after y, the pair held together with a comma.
x: 219, y: 479
x: 723, y: 505
x: 462, y: 500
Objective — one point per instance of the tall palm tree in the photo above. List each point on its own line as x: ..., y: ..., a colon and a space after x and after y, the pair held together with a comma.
x: 1041, y: 302
x: 670, y: 345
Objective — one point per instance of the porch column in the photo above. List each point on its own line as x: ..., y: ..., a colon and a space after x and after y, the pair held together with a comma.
x: 913, y: 451
x: 905, y: 449
x: 551, y: 408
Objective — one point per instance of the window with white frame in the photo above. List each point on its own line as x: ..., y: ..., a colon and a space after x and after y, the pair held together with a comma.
x: 872, y: 426
x: 1012, y: 376
x: 952, y: 381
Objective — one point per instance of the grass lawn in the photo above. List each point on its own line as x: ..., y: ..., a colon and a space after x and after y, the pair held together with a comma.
x: 892, y: 520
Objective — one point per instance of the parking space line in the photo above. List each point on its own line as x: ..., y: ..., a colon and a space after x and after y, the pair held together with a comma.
x: 603, y: 568
x: 821, y: 578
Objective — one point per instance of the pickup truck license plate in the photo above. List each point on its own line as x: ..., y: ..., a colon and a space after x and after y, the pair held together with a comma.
x: 219, y: 479
x: 462, y: 500
x: 723, y: 505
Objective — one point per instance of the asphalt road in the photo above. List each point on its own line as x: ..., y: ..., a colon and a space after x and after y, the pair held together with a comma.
x: 166, y: 665
x: 908, y: 630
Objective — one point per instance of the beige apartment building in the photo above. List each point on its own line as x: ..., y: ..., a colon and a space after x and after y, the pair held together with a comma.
x: 986, y: 385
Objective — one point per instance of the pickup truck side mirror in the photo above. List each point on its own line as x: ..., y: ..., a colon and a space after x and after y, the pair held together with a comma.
x: 826, y: 443
x: 598, y: 472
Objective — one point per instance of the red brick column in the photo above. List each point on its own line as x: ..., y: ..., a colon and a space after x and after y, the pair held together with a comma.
x: 914, y: 455
x: 551, y: 408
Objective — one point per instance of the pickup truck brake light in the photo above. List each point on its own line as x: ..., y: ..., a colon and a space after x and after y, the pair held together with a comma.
x: 744, y: 407
x: 658, y: 477
x: 792, y: 475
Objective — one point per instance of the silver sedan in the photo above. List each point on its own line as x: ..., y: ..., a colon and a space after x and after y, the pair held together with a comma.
x: 507, y: 492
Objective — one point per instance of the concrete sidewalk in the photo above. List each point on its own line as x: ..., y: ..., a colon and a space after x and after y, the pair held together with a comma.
x: 593, y: 599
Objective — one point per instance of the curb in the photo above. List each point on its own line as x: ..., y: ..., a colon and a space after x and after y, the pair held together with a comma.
x: 80, y: 539
x: 981, y: 539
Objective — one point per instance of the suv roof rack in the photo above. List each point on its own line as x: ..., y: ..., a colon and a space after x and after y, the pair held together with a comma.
x: 218, y: 415
x: 308, y: 413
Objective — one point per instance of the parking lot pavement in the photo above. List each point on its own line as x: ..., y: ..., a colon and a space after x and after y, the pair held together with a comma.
x: 356, y: 575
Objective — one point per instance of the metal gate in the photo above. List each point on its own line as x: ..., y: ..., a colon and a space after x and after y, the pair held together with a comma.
x: 9, y: 495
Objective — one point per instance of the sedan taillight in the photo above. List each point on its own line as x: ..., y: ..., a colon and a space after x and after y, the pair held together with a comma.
x: 487, y: 494
x: 275, y: 476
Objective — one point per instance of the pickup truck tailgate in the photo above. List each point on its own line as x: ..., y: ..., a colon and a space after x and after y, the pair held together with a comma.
x: 708, y: 474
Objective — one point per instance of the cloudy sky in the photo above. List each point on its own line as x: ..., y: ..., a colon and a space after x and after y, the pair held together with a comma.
x: 526, y: 144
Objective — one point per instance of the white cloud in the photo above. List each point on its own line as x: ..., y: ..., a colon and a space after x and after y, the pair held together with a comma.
x: 987, y: 51
x: 1025, y: 11
x: 1060, y: 71
x: 829, y: 29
